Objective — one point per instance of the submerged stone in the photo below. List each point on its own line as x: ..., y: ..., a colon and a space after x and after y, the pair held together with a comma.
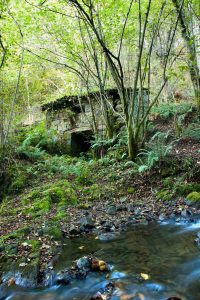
x: 109, y: 236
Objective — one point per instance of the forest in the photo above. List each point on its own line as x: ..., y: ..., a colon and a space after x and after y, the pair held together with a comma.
x: 100, y: 149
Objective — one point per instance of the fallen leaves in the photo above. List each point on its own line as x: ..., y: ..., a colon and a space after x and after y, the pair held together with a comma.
x: 99, y: 265
x: 81, y: 247
x: 11, y: 282
x: 23, y: 264
x: 144, y: 276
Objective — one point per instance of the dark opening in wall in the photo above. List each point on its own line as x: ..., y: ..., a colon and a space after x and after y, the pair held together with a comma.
x: 81, y: 142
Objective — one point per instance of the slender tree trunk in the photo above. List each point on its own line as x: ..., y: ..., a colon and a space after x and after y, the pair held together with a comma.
x: 1, y: 125
x: 193, y: 61
x: 132, y: 145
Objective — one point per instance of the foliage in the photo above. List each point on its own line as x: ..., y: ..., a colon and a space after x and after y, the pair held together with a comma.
x: 158, y: 150
x: 51, y: 49
x: 37, y: 141
x: 166, y: 110
x: 110, y: 150
x: 192, y: 131
x: 164, y: 195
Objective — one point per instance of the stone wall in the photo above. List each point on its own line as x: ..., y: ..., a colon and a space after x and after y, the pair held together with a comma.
x: 71, y: 118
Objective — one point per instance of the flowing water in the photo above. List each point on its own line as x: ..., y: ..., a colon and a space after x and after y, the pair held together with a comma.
x: 166, y: 252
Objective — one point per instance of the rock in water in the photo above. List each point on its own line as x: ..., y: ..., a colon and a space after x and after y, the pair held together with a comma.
x: 73, y: 230
x: 87, y: 222
x: 83, y: 263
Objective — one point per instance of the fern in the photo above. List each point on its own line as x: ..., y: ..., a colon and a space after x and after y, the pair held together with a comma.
x: 158, y: 149
x: 192, y: 131
x: 170, y: 109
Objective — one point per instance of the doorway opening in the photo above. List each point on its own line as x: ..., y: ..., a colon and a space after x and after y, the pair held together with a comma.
x: 81, y: 142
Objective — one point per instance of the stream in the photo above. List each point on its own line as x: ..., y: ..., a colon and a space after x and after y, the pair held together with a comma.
x: 166, y: 252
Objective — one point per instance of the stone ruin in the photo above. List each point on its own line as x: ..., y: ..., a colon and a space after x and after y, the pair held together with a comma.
x: 71, y: 118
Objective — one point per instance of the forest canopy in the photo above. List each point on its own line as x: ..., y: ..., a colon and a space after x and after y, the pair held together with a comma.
x: 51, y: 48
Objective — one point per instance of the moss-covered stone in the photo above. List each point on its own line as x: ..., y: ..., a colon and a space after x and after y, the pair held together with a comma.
x: 42, y: 199
x: 131, y: 190
x: 194, y: 196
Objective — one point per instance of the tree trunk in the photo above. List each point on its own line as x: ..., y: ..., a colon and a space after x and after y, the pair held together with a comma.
x: 1, y: 125
x: 193, y: 60
x: 133, y: 146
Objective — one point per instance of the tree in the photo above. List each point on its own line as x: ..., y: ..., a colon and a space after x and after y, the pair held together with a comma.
x: 132, y: 102
x: 185, y: 20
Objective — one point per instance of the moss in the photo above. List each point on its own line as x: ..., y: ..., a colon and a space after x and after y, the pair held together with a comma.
x: 6, y: 207
x: 17, y: 234
x: 41, y: 200
x: 24, y: 231
x: 39, y: 207
x: 164, y: 195
x: 35, y: 194
x: 92, y: 192
x: 55, y: 194
x: 194, y: 196
x: 34, y: 244
x: 11, y: 249
x: 18, y: 184
x: 131, y: 190
x: 60, y: 215
x: 54, y: 232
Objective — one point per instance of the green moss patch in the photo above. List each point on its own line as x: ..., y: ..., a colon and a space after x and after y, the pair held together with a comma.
x: 194, y: 196
x: 41, y: 200
x: 131, y: 190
